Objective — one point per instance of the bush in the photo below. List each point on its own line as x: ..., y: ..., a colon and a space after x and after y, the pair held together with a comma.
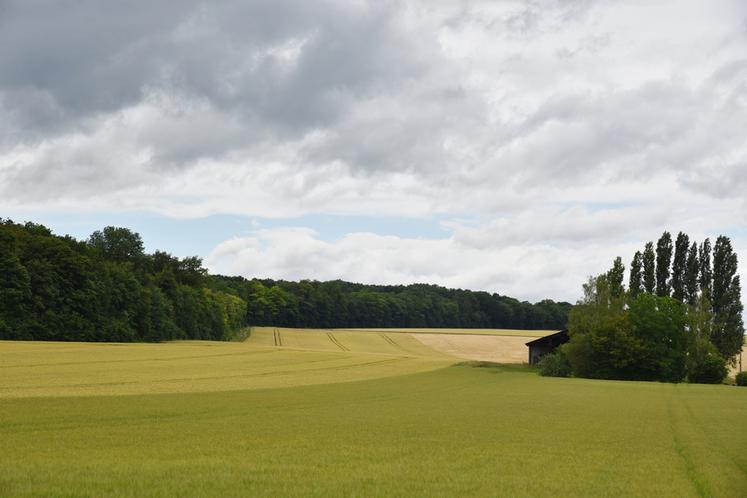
x: 710, y: 369
x: 705, y: 365
x: 555, y: 365
x: 741, y: 379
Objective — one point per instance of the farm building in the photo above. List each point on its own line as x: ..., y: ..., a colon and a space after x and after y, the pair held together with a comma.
x: 540, y: 347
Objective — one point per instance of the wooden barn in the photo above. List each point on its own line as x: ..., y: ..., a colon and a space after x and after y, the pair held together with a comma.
x: 540, y: 347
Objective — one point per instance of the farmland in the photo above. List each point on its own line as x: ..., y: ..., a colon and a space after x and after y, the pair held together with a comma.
x: 320, y: 413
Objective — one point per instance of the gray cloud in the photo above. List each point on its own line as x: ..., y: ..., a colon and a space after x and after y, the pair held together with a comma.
x: 549, y: 135
x: 450, y: 108
x: 78, y: 61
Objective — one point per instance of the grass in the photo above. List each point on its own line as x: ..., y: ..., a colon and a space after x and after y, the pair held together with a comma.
x: 438, y: 431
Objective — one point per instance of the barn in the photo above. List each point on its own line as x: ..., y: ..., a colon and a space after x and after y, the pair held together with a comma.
x: 547, y: 344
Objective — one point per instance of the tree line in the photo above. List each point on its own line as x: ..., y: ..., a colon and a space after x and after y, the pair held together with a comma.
x: 107, y: 288
x: 339, y: 304
x: 679, y: 318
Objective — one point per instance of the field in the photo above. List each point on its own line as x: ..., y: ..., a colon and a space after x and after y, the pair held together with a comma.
x: 498, y: 332
x: 365, y: 414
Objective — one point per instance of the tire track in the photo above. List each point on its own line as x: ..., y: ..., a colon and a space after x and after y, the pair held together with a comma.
x: 696, y: 478
x: 388, y: 339
x: 277, y: 338
x: 393, y: 342
x: 712, y: 440
x: 336, y: 342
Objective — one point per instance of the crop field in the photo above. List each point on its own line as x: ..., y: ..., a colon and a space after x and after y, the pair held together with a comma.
x: 344, y: 414
x: 34, y: 369
x: 499, y: 332
x: 496, y: 345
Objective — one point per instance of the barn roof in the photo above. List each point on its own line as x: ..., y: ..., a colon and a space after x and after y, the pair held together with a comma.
x: 560, y: 336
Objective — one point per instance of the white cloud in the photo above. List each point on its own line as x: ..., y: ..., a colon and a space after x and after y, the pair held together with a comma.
x: 526, y: 272
x: 561, y: 130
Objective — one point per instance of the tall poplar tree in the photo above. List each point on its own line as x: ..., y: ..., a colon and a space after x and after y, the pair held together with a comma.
x: 706, y: 273
x: 728, y: 332
x: 691, y: 275
x: 635, y: 282
x: 649, y: 268
x: 663, y: 263
x: 615, y: 278
x: 679, y: 266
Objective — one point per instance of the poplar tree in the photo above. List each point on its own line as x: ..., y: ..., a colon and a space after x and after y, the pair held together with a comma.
x: 663, y: 263
x: 649, y: 268
x: 728, y: 331
x: 706, y: 273
x: 635, y: 283
x: 679, y: 266
x: 691, y: 275
x: 615, y: 277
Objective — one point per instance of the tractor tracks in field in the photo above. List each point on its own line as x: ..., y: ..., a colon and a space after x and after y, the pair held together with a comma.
x: 714, y: 441
x: 392, y: 342
x: 277, y: 338
x: 694, y: 475
x: 336, y: 342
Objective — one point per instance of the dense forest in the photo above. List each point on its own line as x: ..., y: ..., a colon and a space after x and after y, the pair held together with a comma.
x: 680, y: 317
x: 344, y: 304
x: 107, y: 288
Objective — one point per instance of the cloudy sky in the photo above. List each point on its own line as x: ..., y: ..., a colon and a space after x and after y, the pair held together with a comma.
x: 508, y: 146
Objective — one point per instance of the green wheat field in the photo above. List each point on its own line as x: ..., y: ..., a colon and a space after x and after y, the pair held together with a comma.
x: 349, y: 413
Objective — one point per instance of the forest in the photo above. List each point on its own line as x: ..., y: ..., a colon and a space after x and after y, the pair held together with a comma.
x: 107, y: 288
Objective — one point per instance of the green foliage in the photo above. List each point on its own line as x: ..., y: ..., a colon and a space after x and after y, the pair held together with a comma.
x: 107, y: 289
x: 741, y: 379
x: 705, y: 364
x: 728, y: 331
x: 606, y: 350
x: 649, y: 268
x: 635, y: 282
x: 639, y: 335
x: 663, y: 263
x: 645, y: 340
x: 659, y: 324
x: 117, y: 244
x: 679, y: 266
x: 15, y: 290
x: 615, y: 277
x: 705, y: 278
x: 555, y: 364
x: 339, y: 304
x: 691, y: 275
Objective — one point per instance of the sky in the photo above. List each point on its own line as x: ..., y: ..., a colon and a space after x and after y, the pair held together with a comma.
x: 509, y: 146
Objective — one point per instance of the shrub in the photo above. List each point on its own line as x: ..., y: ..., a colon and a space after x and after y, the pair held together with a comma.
x: 555, y: 365
x: 741, y: 379
x: 710, y: 369
x: 705, y: 365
